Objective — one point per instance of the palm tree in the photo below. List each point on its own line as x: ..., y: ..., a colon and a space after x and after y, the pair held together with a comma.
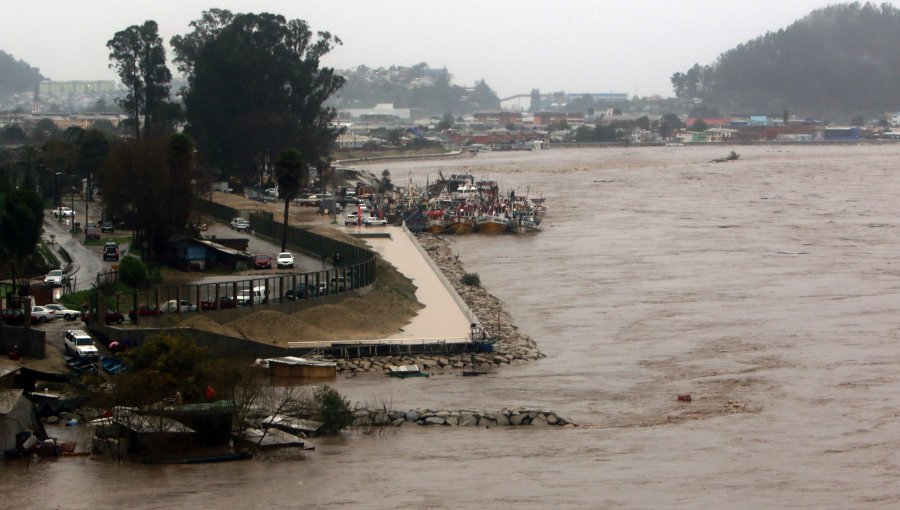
x: 290, y: 173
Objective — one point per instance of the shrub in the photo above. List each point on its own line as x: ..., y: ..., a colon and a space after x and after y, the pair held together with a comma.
x: 471, y: 279
x: 132, y: 272
x: 333, y: 410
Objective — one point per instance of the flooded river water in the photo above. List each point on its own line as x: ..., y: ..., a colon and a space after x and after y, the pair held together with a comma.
x: 768, y: 288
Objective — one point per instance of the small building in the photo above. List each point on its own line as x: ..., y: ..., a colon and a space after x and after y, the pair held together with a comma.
x: 292, y: 367
x: 192, y: 254
x: 16, y: 415
x: 842, y: 133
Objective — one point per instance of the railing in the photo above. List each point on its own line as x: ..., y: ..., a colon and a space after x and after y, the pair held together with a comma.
x: 356, y: 270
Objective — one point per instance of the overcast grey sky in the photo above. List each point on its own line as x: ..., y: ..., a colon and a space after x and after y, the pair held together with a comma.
x: 573, y: 45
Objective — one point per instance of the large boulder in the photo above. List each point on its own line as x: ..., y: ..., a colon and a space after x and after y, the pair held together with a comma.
x: 519, y: 419
x: 435, y: 420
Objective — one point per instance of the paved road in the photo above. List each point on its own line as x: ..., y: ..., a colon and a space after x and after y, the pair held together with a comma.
x: 86, y: 261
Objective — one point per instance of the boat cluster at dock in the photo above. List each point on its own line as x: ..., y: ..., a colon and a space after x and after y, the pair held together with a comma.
x: 461, y: 205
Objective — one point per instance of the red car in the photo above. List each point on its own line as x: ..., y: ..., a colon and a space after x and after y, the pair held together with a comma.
x: 224, y: 302
x: 262, y: 262
x: 143, y: 310
x: 112, y: 317
x: 16, y: 317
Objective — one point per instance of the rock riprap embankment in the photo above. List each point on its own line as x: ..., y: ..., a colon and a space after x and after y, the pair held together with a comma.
x: 461, y: 418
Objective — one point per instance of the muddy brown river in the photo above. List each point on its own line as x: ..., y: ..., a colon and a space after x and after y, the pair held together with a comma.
x: 768, y: 288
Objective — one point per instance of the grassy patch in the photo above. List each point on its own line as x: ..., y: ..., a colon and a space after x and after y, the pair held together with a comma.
x: 103, y: 240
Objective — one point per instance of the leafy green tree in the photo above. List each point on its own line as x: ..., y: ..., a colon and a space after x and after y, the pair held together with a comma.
x: 290, y: 173
x: 21, y: 220
x: 159, y: 367
x: 605, y: 134
x: 149, y: 182
x: 132, y: 272
x: 857, y: 120
x: 256, y: 86
x: 13, y: 134
x: 446, y: 121
x: 385, y: 183
x: 643, y: 122
x: 333, y: 410
x: 93, y: 148
x: 699, y: 125
x: 668, y: 124
x: 139, y: 57
x: 584, y: 134
x: 44, y: 129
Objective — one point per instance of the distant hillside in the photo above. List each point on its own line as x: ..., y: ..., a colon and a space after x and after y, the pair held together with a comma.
x: 418, y: 86
x: 17, y: 75
x: 839, y: 60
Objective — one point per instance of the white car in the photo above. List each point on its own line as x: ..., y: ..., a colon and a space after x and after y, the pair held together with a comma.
x: 43, y: 314
x: 240, y: 224
x: 63, y: 312
x: 272, y: 192
x: 63, y: 212
x: 374, y: 221
x: 54, y: 278
x: 284, y: 259
x: 351, y: 219
x: 81, y: 344
x: 173, y: 306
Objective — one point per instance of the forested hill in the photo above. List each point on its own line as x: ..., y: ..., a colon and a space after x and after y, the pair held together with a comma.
x: 17, y: 75
x: 418, y: 86
x: 839, y: 60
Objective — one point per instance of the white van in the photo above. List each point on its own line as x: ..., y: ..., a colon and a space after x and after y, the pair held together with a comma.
x: 256, y: 296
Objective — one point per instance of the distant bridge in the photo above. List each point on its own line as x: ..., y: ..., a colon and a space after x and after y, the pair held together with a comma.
x: 603, y: 97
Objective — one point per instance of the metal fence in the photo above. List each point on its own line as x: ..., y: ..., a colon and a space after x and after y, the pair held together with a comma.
x: 356, y: 270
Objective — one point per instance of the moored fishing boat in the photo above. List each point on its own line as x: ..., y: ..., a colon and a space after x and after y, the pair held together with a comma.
x: 491, y: 223
x: 435, y: 222
x: 461, y: 225
x: 526, y: 224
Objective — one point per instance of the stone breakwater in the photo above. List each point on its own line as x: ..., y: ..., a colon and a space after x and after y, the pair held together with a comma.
x: 464, y: 418
x: 510, y: 345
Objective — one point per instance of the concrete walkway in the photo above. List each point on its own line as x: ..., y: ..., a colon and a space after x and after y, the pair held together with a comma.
x: 445, y: 317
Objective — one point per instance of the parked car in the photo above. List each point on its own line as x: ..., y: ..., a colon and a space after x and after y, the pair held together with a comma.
x: 284, y: 259
x: 92, y: 231
x: 272, y: 192
x: 351, y: 219
x: 224, y: 302
x: 111, y: 317
x: 106, y: 226
x: 297, y: 292
x: 240, y: 224
x: 15, y: 317
x: 256, y: 296
x: 63, y: 212
x: 43, y: 314
x: 111, y: 251
x: 173, y: 306
x: 143, y: 310
x: 374, y: 221
x: 80, y: 344
x: 55, y: 278
x: 261, y: 261
x: 63, y: 313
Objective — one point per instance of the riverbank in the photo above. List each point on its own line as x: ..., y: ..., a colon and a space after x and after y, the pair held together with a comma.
x: 510, y: 346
